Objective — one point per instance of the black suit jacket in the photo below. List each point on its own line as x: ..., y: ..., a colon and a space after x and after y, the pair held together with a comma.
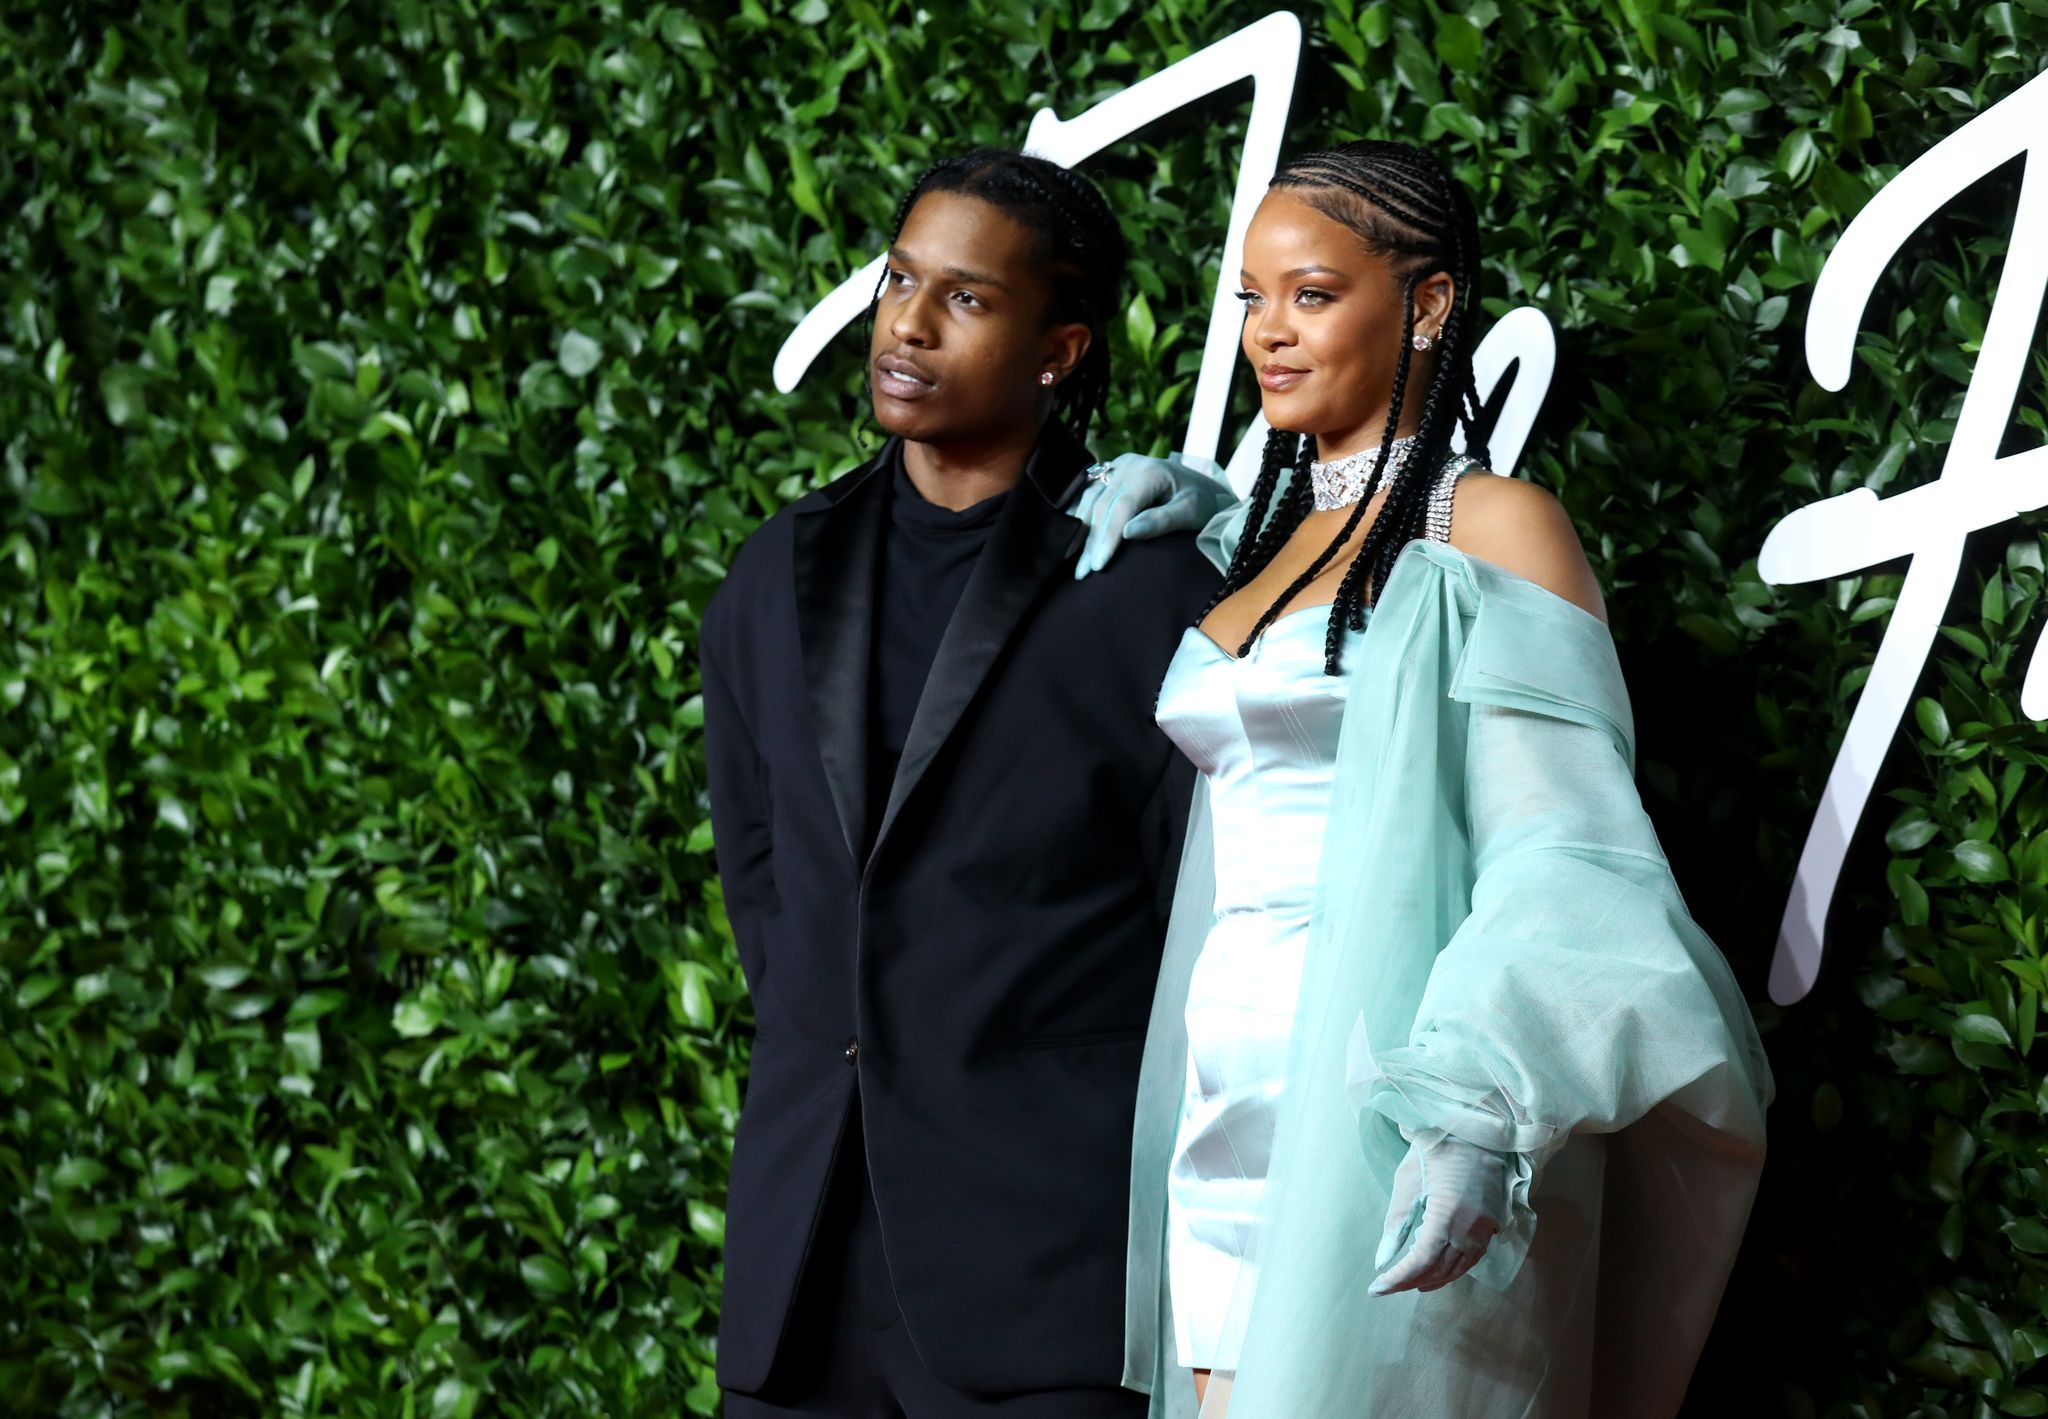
x: 979, y: 964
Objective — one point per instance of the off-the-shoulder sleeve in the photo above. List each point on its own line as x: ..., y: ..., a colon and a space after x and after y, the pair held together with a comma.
x: 1577, y: 993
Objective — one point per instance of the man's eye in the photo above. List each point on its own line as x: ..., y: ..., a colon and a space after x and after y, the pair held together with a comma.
x: 966, y: 298
x: 894, y: 277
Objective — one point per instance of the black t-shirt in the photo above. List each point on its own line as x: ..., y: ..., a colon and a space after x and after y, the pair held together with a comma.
x: 927, y: 556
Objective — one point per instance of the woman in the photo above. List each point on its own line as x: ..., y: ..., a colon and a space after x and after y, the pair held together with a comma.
x: 1427, y: 960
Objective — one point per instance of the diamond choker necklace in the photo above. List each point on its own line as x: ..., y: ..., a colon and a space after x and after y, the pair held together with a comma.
x: 1341, y: 481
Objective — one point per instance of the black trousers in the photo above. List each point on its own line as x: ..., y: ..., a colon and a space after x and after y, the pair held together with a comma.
x: 847, y: 1354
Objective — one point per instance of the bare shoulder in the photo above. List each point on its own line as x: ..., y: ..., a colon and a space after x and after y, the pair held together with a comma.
x: 1525, y: 529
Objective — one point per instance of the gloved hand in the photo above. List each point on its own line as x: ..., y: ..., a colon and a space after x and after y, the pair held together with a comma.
x: 1147, y: 497
x: 1451, y: 1197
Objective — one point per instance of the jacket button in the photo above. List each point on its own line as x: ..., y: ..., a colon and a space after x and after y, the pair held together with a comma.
x: 853, y: 1050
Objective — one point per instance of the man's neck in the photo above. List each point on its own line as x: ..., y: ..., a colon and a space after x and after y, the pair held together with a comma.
x: 959, y: 475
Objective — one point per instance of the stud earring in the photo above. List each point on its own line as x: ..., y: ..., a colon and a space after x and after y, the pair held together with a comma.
x: 1045, y: 377
x: 1421, y: 341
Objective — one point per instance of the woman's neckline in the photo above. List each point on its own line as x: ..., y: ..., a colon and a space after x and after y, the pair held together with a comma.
x: 1272, y: 626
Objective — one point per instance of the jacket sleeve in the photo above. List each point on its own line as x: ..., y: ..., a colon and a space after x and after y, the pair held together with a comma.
x: 741, y: 820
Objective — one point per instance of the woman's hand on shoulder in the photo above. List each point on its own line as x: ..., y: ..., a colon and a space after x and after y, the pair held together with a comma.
x: 1523, y: 529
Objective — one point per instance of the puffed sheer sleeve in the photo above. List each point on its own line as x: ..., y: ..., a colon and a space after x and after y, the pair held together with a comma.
x: 1577, y: 993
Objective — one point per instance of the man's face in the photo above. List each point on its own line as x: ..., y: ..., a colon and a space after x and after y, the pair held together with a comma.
x: 961, y: 332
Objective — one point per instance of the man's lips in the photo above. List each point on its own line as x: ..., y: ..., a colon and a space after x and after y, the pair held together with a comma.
x: 1279, y: 377
x: 902, y: 379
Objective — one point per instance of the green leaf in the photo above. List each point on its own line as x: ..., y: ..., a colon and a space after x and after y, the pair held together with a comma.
x: 1740, y: 100
x: 1948, y: 1237
x: 545, y: 1276
x: 1981, y: 862
x: 1913, y: 831
x: 1138, y: 325
x: 1980, y: 1029
x: 414, y: 1018
x: 1853, y: 121
x: 1954, y: 1148
x: 122, y: 390
x: 93, y: 1224
x: 578, y: 354
x: 1459, y: 43
x: 323, y: 359
x: 80, y: 1173
x: 1933, y: 719
x: 693, y: 1001
x: 803, y: 184
x: 708, y: 1223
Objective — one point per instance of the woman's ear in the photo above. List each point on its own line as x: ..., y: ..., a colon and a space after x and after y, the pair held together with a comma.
x: 1433, y: 298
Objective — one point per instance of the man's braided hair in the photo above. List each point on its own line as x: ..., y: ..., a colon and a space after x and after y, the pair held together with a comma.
x: 1078, y: 240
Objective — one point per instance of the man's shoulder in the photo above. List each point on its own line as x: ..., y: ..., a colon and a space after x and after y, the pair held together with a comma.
x: 760, y: 564
x: 765, y: 557
x: 1169, y: 571
x: 1172, y: 554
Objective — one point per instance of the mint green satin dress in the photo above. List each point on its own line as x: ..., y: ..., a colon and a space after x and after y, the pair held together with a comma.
x: 1262, y: 732
x: 1494, y: 949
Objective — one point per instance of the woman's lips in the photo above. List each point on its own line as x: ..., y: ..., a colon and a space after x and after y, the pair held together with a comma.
x: 1277, y: 378
x: 899, y: 379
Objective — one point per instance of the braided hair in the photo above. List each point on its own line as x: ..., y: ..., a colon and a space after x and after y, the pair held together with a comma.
x: 1079, y: 242
x: 1405, y: 206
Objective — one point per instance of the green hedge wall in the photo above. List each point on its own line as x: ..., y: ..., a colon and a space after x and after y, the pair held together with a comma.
x: 385, y: 387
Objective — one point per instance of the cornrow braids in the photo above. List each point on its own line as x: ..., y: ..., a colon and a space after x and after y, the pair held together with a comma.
x: 1078, y: 239
x: 1405, y: 206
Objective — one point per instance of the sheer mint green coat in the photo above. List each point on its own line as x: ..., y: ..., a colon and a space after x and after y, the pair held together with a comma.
x: 1498, y: 951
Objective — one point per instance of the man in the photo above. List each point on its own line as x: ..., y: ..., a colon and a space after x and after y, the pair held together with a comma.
x: 948, y: 829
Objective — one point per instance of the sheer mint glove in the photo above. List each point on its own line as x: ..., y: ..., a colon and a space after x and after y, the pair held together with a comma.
x: 1147, y: 497
x: 1451, y: 1198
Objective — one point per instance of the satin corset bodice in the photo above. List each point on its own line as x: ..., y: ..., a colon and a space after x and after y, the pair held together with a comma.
x: 1263, y: 730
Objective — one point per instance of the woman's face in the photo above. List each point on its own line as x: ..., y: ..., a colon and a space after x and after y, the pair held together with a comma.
x: 1322, y: 327
x: 961, y: 333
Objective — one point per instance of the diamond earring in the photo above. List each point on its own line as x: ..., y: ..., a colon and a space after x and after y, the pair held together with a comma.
x: 1045, y: 377
x: 1421, y: 341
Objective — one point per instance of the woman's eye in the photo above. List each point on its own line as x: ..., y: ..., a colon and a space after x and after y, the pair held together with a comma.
x: 1311, y: 296
x: 1250, y: 297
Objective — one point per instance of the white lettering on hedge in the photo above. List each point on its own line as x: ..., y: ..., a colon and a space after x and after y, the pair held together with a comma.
x: 1976, y: 488
x: 1268, y: 52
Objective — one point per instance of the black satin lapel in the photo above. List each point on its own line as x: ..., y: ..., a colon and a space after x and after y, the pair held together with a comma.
x: 1029, y: 542
x: 837, y: 548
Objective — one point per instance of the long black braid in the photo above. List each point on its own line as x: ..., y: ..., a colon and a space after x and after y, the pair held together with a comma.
x: 1261, y: 538
x: 1406, y: 207
x: 1079, y: 240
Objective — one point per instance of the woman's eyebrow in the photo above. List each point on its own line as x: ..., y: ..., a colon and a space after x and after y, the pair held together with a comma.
x: 1244, y: 275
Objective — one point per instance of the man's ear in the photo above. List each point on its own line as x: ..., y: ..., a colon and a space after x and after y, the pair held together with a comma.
x: 1065, y: 347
